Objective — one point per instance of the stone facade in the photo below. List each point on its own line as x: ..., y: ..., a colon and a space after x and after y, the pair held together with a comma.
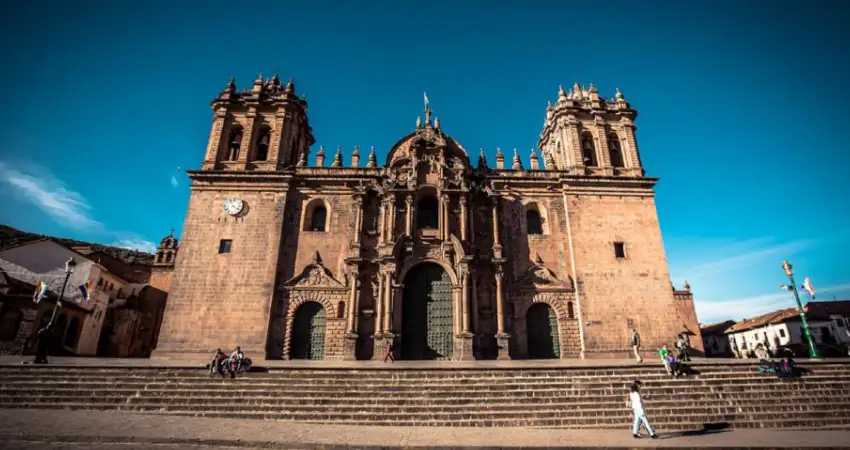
x: 425, y: 252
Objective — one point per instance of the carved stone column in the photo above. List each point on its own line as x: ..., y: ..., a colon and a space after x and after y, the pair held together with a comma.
x: 408, y: 216
x: 381, y: 234
x: 247, y: 146
x: 379, y: 307
x: 217, y: 140
x: 388, y: 299
x: 463, y: 218
x: 391, y: 226
x: 349, y: 351
x: 502, y: 338
x: 465, y: 302
x: 351, y: 299
x: 358, y: 218
x: 440, y: 216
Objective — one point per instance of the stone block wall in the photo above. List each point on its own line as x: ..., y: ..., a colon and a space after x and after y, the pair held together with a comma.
x: 618, y: 292
x: 220, y: 300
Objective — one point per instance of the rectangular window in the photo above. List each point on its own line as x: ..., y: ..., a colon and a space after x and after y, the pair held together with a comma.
x: 782, y: 332
x: 224, y: 246
x: 619, y: 250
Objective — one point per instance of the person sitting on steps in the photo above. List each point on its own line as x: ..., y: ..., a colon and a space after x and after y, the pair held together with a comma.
x: 238, y: 357
x: 218, y: 359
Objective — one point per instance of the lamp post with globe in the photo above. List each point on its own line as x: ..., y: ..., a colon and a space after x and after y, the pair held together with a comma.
x: 813, y: 350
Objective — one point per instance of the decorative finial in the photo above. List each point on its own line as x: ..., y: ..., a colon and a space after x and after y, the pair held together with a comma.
x: 535, y: 161
x: 618, y: 95
x: 482, y: 159
x: 317, y: 259
x: 576, y: 90
x: 290, y: 85
x: 562, y: 96
x: 548, y: 104
x: 356, y: 151
x: 593, y: 88
x: 437, y: 123
x: 373, y: 160
x: 338, y: 157
x: 687, y: 286
x: 418, y: 121
x: 259, y: 79
x: 320, y: 156
x: 517, y: 164
x: 172, y: 233
x: 533, y: 153
x: 355, y: 157
x: 231, y: 85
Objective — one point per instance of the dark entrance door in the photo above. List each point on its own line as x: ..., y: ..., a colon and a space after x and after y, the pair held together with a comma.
x: 542, y: 326
x: 308, y: 332
x: 426, y: 331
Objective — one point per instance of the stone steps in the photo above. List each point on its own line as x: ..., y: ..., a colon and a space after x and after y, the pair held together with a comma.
x: 735, y: 394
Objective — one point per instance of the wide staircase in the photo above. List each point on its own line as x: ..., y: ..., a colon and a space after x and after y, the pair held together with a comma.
x: 720, y: 395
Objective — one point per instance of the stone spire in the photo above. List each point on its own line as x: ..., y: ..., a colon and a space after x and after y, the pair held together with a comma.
x: 229, y: 90
x: 290, y: 86
x: 338, y: 157
x: 302, y: 159
x: 550, y: 111
x: 517, y: 164
x: 418, y: 121
x: 687, y: 286
x: 373, y: 160
x: 549, y: 160
x: 436, y: 123
x: 500, y: 159
x: 535, y: 163
x: 355, y: 157
x: 577, y: 91
x: 562, y: 96
x: 275, y: 81
x: 320, y: 156
x: 618, y: 95
x: 258, y: 84
x: 482, y: 159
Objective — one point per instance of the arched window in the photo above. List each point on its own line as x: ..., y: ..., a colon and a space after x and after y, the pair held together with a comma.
x: 340, y: 310
x: 234, y: 142
x: 588, y: 150
x: 159, y: 257
x: 426, y: 212
x: 318, y: 219
x: 73, y: 333
x: 262, y: 145
x: 616, y: 152
x: 533, y: 223
x: 168, y: 257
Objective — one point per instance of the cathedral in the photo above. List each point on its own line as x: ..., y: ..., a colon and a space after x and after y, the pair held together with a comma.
x: 435, y: 253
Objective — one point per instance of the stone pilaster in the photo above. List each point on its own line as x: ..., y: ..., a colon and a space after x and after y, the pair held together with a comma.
x: 215, y: 143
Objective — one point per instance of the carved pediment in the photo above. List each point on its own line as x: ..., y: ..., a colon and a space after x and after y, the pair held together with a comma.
x: 315, y: 275
x: 539, y: 276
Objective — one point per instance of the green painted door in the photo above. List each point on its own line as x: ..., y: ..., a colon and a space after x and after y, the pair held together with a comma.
x: 427, y: 314
x: 308, y: 332
x: 542, y: 326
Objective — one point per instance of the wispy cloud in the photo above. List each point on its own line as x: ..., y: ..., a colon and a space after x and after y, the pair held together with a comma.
x: 174, y: 182
x: 136, y: 244
x: 743, y: 255
x: 174, y: 174
x: 35, y: 184
x: 737, y: 309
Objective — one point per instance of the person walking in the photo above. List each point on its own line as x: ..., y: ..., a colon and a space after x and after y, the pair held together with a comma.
x: 388, y: 351
x: 636, y: 403
x: 635, y: 341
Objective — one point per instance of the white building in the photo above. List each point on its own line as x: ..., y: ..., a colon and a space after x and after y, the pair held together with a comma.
x: 828, y: 321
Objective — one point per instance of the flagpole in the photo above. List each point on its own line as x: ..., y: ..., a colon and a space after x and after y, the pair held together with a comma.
x: 813, y: 350
x: 69, y: 268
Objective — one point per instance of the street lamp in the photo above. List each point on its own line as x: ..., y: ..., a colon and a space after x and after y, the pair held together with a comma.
x: 813, y: 350
x: 69, y: 269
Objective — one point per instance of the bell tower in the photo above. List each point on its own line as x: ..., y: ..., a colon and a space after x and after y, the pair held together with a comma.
x: 264, y: 128
x: 586, y: 134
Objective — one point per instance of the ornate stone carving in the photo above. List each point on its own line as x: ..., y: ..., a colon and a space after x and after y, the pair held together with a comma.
x: 315, y: 275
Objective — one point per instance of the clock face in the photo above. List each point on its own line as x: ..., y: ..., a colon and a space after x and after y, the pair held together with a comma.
x: 233, y: 206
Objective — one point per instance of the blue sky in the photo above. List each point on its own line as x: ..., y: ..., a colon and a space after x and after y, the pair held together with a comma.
x: 741, y: 110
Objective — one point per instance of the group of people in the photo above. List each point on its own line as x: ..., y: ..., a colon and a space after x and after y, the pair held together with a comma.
x: 237, y: 362
x: 673, y: 360
x: 784, y: 368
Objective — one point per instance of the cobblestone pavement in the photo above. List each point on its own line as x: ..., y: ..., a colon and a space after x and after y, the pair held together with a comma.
x: 400, y: 365
x: 39, y: 429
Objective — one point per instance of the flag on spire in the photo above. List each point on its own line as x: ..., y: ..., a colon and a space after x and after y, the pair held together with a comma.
x: 426, y: 99
x: 40, y: 292
x: 807, y: 286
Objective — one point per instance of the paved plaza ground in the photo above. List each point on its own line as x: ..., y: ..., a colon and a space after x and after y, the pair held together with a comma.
x: 42, y: 429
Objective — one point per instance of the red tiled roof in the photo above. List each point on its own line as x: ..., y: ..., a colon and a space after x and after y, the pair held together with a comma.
x: 774, y: 317
x: 715, y: 328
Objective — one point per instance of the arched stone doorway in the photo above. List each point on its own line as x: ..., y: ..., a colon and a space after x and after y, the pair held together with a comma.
x: 542, y: 328
x: 308, y: 332
x: 426, y: 325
